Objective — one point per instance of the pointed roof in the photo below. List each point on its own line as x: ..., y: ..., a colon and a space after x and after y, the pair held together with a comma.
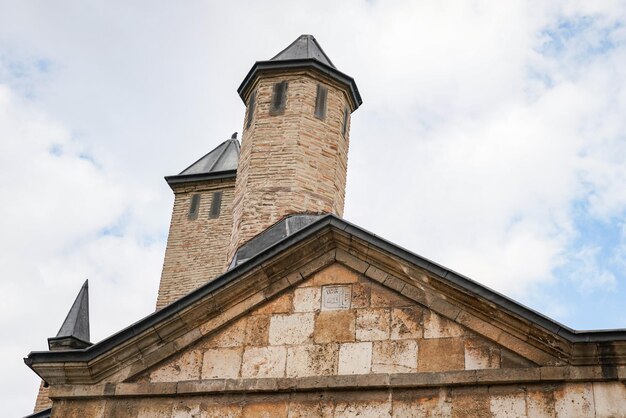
x: 219, y: 163
x: 304, y: 47
x: 75, y: 328
x: 304, y: 52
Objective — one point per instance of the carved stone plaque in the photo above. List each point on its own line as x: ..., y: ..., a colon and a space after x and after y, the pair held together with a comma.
x: 336, y: 297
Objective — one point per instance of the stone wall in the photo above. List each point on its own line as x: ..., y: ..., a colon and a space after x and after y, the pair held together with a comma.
x: 291, y: 162
x: 582, y: 400
x: 301, y: 333
x: 196, y: 248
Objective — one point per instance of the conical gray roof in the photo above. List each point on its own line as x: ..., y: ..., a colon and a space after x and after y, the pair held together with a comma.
x: 303, y: 48
x: 304, y: 52
x: 76, y: 323
x: 219, y: 163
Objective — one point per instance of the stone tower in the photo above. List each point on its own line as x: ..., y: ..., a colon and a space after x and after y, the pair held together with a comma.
x: 199, y: 234
x: 294, y: 149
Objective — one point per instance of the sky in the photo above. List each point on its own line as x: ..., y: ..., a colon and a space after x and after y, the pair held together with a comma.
x: 491, y: 140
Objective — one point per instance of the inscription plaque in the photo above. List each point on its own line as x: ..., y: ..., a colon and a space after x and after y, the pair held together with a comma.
x: 336, y: 297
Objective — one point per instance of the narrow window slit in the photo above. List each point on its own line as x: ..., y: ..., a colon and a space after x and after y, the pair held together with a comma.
x: 194, y: 207
x: 320, y: 102
x: 216, y: 205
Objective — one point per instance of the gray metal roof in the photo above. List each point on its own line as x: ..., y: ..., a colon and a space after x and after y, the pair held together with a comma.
x: 75, y: 329
x: 303, y: 53
x: 304, y: 47
x: 219, y: 163
x: 41, y: 414
x: 275, y: 233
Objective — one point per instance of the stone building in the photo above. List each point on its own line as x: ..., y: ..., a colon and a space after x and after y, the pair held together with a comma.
x: 272, y: 305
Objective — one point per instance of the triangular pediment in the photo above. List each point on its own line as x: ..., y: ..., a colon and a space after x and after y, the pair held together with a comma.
x: 336, y: 322
x: 441, y: 320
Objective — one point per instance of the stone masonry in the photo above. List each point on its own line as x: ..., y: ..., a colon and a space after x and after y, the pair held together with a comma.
x: 196, y: 248
x: 291, y: 162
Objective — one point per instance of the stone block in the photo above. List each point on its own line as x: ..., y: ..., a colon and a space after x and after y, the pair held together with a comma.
x: 540, y: 403
x: 361, y: 295
x: 574, y: 400
x: 479, y: 354
x: 221, y: 363
x: 335, y: 326
x: 406, y: 323
x: 470, y: 403
x: 372, y: 324
x: 231, y: 336
x: 355, y: 358
x: 333, y: 274
x: 312, y: 360
x: 508, y: 406
x: 319, y: 409
x: 257, y: 330
x: 263, y: 362
x: 296, y: 328
x: 394, y: 356
x: 281, y: 304
x: 436, y: 326
x: 362, y: 409
x: 415, y: 404
x: 609, y: 399
x: 154, y: 408
x: 186, y: 408
x: 185, y: 366
x: 266, y: 410
x: 307, y: 299
x: 441, y: 354
x: 215, y: 410
x: 381, y: 297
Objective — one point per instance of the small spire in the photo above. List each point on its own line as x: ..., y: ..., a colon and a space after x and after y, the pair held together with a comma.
x: 234, y: 136
x: 74, y: 332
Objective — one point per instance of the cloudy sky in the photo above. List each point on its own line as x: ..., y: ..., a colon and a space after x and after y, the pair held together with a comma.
x: 492, y: 140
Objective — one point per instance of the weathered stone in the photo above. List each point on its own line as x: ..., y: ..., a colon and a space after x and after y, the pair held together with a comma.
x: 320, y: 409
x: 154, y: 408
x: 312, y: 360
x: 362, y: 409
x: 441, y: 354
x: 186, y: 408
x: 372, y: 324
x: 281, y: 304
x: 609, y: 399
x: 219, y: 410
x: 436, y: 326
x: 335, y: 326
x: 257, y: 330
x: 540, y: 403
x: 470, y: 403
x: 574, y: 400
x: 381, y: 297
x: 185, y: 366
x: 406, y: 323
x: 231, y: 336
x: 291, y: 329
x: 361, y: 295
x: 266, y: 410
x: 394, y: 356
x: 307, y: 299
x: 336, y: 297
x: 263, y: 362
x: 222, y: 363
x: 508, y: 406
x: 480, y: 354
x: 333, y: 274
x: 355, y: 358
x: 84, y: 408
x: 509, y: 360
x: 414, y: 404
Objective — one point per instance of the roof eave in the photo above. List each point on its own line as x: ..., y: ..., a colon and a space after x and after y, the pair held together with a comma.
x: 293, y: 64
x: 190, y: 178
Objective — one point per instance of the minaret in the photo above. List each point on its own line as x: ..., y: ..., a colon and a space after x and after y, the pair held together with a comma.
x: 199, y: 236
x: 294, y: 149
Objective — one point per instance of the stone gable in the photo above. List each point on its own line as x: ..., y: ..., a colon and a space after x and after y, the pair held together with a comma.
x: 337, y: 322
